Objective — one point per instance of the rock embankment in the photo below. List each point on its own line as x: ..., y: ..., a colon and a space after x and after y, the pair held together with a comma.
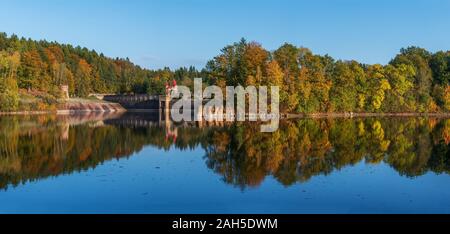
x: 75, y: 106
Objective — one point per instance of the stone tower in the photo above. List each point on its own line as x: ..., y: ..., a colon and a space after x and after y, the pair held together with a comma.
x: 65, y: 91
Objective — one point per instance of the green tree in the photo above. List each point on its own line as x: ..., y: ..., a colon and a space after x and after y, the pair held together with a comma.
x: 9, y: 94
x: 343, y: 93
x: 419, y: 58
x: 9, y: 91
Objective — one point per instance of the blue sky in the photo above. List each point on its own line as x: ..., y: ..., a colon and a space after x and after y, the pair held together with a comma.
x: 177, y: 33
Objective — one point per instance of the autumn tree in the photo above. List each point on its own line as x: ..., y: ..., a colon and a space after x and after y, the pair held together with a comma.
x: 401, y: 95
x: 314, y: 77
x: 31, y: 70
x: 9, y: 91
x: 378, y: 84
x: 254, y: 60
x: 82, y: 87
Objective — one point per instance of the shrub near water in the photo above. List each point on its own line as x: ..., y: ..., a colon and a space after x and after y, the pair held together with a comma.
x: 37, y: 101
x: 9, y: 96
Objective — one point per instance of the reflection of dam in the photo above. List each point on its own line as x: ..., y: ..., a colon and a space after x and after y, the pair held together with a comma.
x: 164, y: 130
x: 157, y: 119
x: 78, y: 119
x: 95, y: 119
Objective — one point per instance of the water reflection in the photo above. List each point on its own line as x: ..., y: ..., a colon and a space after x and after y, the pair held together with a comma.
x: 35, y: 147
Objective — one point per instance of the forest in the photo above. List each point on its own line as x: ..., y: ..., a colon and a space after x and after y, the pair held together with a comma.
x: 415, y: 80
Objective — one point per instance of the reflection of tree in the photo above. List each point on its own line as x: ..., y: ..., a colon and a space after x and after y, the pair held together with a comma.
x: 305, y: 148
x: 411, y: 146
x: 34, y: 147
x: 439, y: 161
x: 39, y: 147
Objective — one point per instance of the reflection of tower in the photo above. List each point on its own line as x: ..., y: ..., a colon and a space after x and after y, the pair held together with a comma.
x: 164, y: 108
x: 167, y: 108
x: 62, y: 81
x: 65, y: 131
x: 171, y: 131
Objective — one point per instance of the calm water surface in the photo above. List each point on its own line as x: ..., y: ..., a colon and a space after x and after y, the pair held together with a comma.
x: 139, y: 164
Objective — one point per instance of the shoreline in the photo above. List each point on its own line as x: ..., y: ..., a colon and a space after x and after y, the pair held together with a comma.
x: 57, y: 112
x: 366, y: 114
x: 283, y: 115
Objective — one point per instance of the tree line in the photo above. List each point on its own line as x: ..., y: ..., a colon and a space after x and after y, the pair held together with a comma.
x: 41, y: 67
x: 416, y: 80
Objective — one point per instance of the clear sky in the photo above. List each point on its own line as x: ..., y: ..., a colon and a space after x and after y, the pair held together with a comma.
x: 158, y: 33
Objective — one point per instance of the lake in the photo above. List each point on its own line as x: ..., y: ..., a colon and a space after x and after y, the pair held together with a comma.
x: 137, y: 163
